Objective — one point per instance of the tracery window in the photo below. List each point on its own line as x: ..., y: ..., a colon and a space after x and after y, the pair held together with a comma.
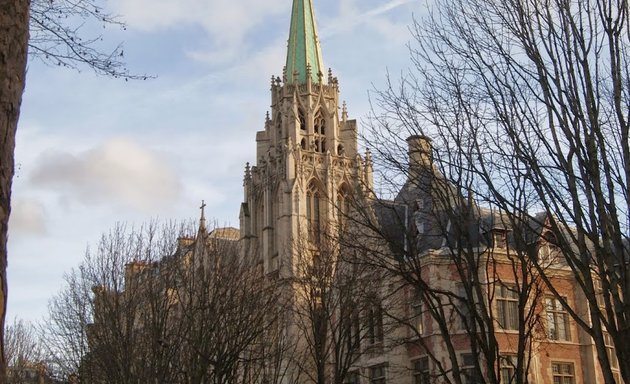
x: 314, y: 212
x: 319, y: 129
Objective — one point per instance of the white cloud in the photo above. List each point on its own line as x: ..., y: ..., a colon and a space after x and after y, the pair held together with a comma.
x: 28, y: 217
x: 226, y: 20
x: 119, y: 171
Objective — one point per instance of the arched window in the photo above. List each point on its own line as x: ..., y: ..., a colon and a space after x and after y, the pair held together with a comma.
x: 343, y: 205
x: 302, y: 119
x: 314, y: 212
x: 320, y: 132
x: 279, y: 119
x: 303, y: 144
x: 320, y: 124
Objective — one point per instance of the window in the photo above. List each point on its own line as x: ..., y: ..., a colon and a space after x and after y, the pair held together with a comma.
x: 557, y: 320
x: 375, y: 322
x: 313, y: 212
x: 508, y: 369
x: 343, y: 205
x: 350, y: 317
x: 499, y: 238
x: 302, y: 120
x: 548, y: 250
x: 563, y: 373
x: 377, y: 374
x: 421, y: 371
x: 352, y: 378
x: 416, y: 313
x: 469, y: 371
x: 319, y: 128
x: 507, y: 307
x: 610, y: 351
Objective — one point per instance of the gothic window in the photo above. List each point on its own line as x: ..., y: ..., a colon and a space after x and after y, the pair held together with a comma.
x: 320, y: 132
x: 343, y: 205
x: 320, y: 124
x: 303, y: 144
x: 279, y: 119
x: 302, y: 119
x: 314, y: 212
x: 340, y: 150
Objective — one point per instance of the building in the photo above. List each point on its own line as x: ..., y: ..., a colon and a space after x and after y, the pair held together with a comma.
x: 307, y: 170
x: 427, y: 287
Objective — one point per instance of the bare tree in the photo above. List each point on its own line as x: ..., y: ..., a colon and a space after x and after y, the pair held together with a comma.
x: 336, y: 307
x: 60, y: 35
x: 527, y: 105
x: 229, y: 308
x: 152, y: 305
x: 13, y: 49
x: 25, y: 356
x: 56, y: 37
x: 105, y: 324
x: 462, y: 275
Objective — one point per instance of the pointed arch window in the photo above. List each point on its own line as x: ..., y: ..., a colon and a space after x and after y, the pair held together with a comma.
x: 319, y: 129
x: 302, y: 120
x: 343, y: 205
x: 314, y: 212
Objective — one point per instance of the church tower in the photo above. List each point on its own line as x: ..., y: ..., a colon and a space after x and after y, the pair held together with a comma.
x: 307, y: 160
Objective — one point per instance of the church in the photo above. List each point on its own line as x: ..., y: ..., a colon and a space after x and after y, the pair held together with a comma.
x: 310, y: 193
x: 422, y: 287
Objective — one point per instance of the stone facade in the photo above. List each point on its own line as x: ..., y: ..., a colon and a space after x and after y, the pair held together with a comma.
x: 307, y: 166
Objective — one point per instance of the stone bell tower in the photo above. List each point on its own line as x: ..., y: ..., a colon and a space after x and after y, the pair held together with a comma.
x: 307, y: 160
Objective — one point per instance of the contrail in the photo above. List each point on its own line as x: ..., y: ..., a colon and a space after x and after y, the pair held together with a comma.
x: 333, y: 29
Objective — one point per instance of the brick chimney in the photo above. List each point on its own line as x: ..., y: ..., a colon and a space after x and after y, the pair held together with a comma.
x: 420, y: 152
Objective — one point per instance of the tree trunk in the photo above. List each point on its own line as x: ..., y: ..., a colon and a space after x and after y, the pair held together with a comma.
x: 13, y: 48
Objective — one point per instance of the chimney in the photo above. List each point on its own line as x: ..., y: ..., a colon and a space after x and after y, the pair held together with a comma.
x: 420, y: 153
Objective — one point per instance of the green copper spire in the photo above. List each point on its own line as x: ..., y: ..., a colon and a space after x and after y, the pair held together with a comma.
x: 304, y: 49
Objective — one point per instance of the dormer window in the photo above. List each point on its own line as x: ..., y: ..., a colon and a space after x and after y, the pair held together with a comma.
x: 547, y: 250
x: 499, y: 238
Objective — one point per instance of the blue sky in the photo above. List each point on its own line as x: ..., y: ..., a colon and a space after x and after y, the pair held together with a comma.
x: 93, y: 151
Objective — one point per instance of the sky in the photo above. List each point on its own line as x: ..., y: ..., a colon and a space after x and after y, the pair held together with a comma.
x: 93, y: 151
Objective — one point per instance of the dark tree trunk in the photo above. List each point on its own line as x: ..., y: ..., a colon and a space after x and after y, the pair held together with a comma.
x: 13, y: 43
